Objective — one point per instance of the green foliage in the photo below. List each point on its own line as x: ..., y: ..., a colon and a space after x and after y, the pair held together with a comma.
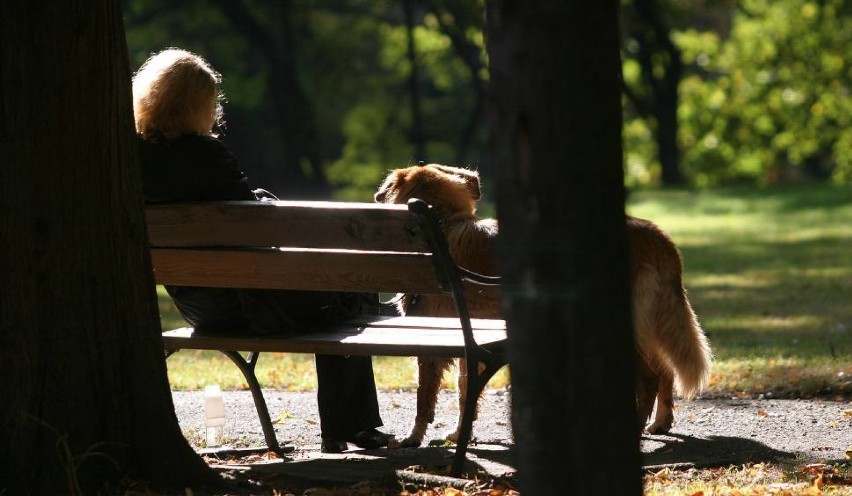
x: 765, y: 95
x: 771, y: 102
x: 376, y: 128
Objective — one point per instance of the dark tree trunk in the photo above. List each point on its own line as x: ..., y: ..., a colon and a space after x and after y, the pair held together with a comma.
x: 662, y: 70
x: 556, y: 130
x: 456, y: 18
x: 416, y: 132
x: 85, y: 397
x: 299, y: 135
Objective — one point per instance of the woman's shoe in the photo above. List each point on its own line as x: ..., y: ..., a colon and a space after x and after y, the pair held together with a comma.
x: 333, y: 446
x: 370, y: 439
x: 366, y: 439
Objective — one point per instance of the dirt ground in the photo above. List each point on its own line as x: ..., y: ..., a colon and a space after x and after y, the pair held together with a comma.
x: 707, y: 433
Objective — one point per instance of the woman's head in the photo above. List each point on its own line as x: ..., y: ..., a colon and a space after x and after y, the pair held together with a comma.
x: 176, y: 92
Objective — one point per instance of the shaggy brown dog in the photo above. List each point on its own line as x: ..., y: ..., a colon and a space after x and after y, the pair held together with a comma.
x: 669, y: 339
x: 453, y: 193
x: 670, y: 342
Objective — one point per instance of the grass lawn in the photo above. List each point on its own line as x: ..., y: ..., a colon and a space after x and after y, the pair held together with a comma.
x: 769, y: 274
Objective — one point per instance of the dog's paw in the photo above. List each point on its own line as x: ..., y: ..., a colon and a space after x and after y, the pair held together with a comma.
x: 453, y: 436
x: 409, y: 442
x: 660, y: 427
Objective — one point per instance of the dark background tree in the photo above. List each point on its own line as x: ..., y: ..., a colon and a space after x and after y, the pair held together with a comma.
x: 86, y: 401
x: 649, y: 38
x: 556, y: 127
x: 457, y: 19
x: 271, y: 33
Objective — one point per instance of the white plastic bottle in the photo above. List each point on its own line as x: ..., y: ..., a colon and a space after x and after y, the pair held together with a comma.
x: 214, y: 412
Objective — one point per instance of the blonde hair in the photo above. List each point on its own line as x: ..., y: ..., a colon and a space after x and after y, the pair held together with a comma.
x: 176, y: 92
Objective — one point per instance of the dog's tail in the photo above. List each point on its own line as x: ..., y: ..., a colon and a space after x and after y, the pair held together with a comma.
x: 682, y: 341
x: 667, y: 329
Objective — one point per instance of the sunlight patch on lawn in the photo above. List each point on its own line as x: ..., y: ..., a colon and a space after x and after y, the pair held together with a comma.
x: 763, y: 322
x: 779, y: 377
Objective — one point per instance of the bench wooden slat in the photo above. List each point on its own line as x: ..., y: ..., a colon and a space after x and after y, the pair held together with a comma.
x: 301, y: 224
x: 405, y: 339
x: 439, y: 322
x: 296, y: 269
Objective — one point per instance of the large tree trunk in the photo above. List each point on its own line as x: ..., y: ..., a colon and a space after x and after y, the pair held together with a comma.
x: 85, y: 398
x: 556, y: 130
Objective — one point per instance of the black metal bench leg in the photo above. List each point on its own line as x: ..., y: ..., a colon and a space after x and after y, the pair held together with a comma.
x: 247, y: 366
x: 476, y: 382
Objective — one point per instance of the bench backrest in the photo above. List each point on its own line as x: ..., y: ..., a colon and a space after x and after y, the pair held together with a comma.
x: 328, y: 246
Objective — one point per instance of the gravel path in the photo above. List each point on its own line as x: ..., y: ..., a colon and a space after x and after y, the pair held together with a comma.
x: 706, y: 432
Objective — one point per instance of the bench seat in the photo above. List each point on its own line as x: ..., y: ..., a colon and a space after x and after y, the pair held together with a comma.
x: 386, y: 336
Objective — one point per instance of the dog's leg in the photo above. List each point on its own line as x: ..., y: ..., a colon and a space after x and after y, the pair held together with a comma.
x: 646, y: 390
x: 664, y: 418
x: 462, y: 397
x: 429, y: 374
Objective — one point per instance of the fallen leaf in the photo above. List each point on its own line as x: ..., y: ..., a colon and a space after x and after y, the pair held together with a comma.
x: 762, y: 413
x: 663, y: 474
x: 283, y: 416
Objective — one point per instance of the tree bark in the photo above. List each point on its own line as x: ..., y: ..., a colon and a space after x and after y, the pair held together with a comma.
x: 415, y: 133
x: 555, y: 126
x: 299, y: 136
x: 463, y: 16
x: 85, y: 396
x: 662, y: 70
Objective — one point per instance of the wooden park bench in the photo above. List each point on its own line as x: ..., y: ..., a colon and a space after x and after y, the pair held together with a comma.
x: 327, y: 246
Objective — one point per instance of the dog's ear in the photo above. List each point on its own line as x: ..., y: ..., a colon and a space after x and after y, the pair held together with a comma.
x: 473, y: 185
x: 379, y: 197
x: 390, y: 183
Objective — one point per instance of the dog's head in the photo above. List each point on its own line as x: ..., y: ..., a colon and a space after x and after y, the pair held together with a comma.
x: 451, y: 190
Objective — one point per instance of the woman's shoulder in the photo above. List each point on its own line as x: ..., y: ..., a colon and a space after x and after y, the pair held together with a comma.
x: 204, y: 149
x: 201, y: 141
x: 182, y: 141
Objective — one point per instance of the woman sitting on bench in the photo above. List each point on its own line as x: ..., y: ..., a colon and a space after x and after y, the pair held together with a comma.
x: 177, y: 103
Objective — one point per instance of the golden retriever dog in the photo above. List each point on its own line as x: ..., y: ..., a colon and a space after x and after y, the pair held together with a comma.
x: 669, y: 340
x: 453, y: 193
x: 672, y: 348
